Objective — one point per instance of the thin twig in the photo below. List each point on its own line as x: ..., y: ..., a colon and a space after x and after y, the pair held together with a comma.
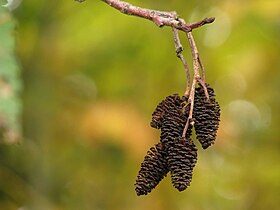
x: 160, y: 18
x: 202, y: 69
x: 203, y: 80
x: 179, y: 49
x: 196, y: 78
x: 202, y: 22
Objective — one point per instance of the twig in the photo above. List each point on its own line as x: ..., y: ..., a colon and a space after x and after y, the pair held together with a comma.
x: 179, y: 49
x: 197, y: 78
x: 203, y: 80
x: 202, y: 69
x: 160, y: 18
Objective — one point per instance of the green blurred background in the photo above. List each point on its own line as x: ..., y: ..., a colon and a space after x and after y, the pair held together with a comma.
x: 90, y: 79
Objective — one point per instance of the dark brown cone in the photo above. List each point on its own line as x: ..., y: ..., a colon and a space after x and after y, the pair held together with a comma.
x: 173, y: 124
x: 153, y: 169
x: 181, y: 152
x: 206, y: 115
x: 181, y: 161
x: 163, y: 107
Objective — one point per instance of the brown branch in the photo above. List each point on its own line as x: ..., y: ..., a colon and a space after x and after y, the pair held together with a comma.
x: 160, y: 18
x: 179, y: 49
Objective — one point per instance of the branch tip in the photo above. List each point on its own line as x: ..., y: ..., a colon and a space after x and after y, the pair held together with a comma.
x: 209, y: 20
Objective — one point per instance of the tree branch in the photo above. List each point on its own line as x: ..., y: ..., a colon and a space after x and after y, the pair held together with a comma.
x: 160, y: 18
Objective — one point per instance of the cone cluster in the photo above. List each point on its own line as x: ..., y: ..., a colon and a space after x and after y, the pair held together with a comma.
x: 174, y: 153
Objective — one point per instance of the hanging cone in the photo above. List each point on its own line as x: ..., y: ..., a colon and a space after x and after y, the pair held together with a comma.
x: 181, y: 161
x: 173, y: 121
x: 181, y: 152
x: 162, y: 108
x: 206, y: 115
x: 153, y: 169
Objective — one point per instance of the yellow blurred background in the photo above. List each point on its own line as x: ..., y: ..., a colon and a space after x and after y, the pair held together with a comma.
x: 91, y: 79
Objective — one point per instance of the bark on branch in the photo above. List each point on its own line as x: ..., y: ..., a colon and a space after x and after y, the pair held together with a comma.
x: 160, y: 18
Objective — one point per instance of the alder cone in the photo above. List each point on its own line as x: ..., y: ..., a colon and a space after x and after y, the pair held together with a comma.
x: 173, y: 124
x: 168, y: 103
x: 206, y: 115
x: 153, y: 169
x: 182, y: 159
x: 181, y: 152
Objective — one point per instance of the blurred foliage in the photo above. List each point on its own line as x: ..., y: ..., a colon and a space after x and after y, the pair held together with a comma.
x: 92, y: 77
x: 10, y: 84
